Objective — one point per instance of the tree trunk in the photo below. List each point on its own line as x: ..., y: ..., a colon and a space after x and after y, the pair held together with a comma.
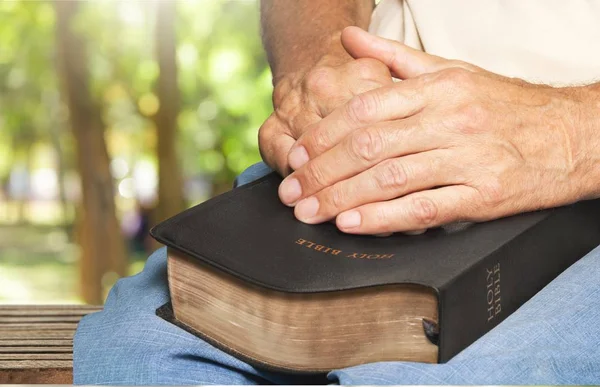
x: 103, y: 248
x: 60, y: 172
x: 170, y: 183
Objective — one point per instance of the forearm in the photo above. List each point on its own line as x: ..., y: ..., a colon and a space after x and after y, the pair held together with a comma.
x: 296, y: 34
x: 586, y: 142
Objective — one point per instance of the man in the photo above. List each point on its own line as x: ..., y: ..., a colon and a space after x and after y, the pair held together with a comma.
x: 449, y: 141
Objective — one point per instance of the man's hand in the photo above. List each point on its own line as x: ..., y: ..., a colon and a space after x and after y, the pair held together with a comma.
x: 305, y: 97
x: 450, y: 142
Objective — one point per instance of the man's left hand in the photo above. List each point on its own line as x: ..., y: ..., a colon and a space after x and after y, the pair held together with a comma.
x: 450, y: 142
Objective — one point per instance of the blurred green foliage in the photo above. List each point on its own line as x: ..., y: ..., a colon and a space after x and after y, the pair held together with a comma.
x: 225, y: 88
x: 224, y: 81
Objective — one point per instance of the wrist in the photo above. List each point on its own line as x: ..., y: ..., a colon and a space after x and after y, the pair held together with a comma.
x: 584, y: 122
x: 294, y: 65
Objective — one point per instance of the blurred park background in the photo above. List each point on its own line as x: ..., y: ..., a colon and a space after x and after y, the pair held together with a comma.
x: 113, y: 116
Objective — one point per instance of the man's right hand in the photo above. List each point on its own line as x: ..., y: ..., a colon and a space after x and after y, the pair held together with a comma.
x: 303, y: 98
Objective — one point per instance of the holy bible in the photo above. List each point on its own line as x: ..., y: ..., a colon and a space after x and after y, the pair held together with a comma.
x: 249, y: 278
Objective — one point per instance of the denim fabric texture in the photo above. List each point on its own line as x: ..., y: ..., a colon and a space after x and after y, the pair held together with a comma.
x: 552, y: 339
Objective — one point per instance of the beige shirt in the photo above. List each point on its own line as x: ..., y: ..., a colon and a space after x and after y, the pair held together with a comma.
x: 545, y: 41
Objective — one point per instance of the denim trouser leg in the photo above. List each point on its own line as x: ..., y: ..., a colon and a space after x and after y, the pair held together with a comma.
x: 552, y: 339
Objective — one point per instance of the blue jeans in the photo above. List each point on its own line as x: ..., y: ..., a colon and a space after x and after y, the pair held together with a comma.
x: 552, y: 339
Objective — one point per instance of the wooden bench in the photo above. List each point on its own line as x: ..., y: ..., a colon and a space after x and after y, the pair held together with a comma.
x: 36, y: 342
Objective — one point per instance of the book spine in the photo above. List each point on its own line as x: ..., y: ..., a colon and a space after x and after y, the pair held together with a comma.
x: 488, y: 292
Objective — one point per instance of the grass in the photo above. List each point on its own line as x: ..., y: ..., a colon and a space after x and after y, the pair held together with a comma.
x: 39, y: 266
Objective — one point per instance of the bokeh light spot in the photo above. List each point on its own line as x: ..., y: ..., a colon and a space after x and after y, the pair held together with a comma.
x: 149, y: 104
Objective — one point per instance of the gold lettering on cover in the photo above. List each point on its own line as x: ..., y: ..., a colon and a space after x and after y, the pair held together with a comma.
x: 330, y: 250
x: 493, y: 292
x: 317, y: 247
x: 369, y: 256
x: 497, y: 298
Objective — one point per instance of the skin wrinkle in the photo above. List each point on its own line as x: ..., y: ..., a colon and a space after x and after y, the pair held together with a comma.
x: 514, y: 148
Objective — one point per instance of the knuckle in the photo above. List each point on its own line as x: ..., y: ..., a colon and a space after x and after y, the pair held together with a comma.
x: 424, y: 211
x: 363, y: 68
x: 262, y: 135
x: 475, y: 112
x: 279, y: 93
x: 459, y: 64
x: 456, y: 76
x: 367, y: 145
x: 370, y: 69
x: 281, y: 115
x: 472, y: 116
x: 319, y: 80
x: 266, y: 131
x: 318, y: 141
x: 337, y: 198
x: 267, y: 145
x: 427, y: 78
x: 491, y: 193
x: 361, y: 108
x: 393, y: 175
x: 283, y: 87
x: 315, y: 176
x: 381, y: 218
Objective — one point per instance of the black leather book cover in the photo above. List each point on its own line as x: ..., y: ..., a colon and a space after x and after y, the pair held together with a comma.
x: 481, y: 272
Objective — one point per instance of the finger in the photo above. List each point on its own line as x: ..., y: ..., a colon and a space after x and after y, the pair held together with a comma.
x: 387, y: 180
x: 294, y: 115
x: 415, y: 232
x: 277, y: 159
x: 403, y: 61
x: 356, y: 153
x: 416, y: 211
x: 395, y: 102
x: 275, y: 143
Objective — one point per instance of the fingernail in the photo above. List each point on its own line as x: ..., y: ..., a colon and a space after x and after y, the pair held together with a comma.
x: 290, y: 191
x: 349, y: 219
x: 307, y: 208
x: 298, y: 157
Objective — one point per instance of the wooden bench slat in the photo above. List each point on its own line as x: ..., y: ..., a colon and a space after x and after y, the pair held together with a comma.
x: 16, y: 357
x: 23, y: 364
x: 37, y: 327
x: 35, y: 343
x: 40, y: 349
x: 39, y: 319
x: 29, y: 334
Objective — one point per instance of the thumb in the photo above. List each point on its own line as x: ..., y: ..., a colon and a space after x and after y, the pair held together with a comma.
x: 403, y: 61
